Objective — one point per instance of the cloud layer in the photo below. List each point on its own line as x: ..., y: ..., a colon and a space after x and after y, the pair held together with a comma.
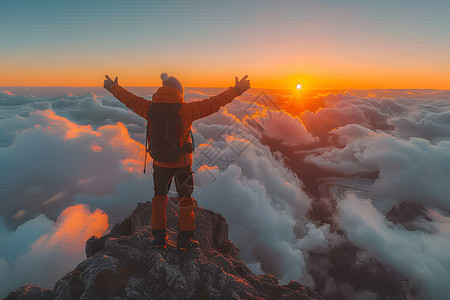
x: 259, y: 161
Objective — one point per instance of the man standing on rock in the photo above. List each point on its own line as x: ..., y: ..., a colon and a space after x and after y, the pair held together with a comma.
x: 169, y: 142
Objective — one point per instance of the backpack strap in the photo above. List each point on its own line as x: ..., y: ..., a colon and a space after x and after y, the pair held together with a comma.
x: 146, y: 138
x: 192, y: 138
x: 182, y: 142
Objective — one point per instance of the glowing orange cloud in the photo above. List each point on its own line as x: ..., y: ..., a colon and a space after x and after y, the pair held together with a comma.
x: 96, y: 148
x: 74, y: 226
x: 62, y: 125
x: 205, y: 168
x: 8, y: 93
x: 132, y: 165
x: 106, y: 137
x: 117, y: 136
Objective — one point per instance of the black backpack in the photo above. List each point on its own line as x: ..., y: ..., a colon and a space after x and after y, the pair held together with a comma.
x: 164, y: 140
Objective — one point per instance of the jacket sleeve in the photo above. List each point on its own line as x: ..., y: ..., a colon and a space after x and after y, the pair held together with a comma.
x: 208, y: 106
x: 138, y: 104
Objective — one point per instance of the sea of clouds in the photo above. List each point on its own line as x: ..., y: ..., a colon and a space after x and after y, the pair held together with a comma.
x: 296, y: 174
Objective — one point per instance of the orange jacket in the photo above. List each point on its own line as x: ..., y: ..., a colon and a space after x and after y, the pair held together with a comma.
x: 189, y: 111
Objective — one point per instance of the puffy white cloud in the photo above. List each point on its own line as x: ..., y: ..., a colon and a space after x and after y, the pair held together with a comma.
x: 280, y: 127
x: 18, y: 242
x: 261, y: 225
x: 8, y: 98
x: 409, y: 170
x: 433, y: 126
x: 91, y: 110
x: 249, y: 186
x: 341, y: 110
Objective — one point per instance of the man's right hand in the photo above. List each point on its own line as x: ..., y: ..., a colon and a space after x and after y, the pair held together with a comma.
x: 108, y: 82
x: 242, y: 85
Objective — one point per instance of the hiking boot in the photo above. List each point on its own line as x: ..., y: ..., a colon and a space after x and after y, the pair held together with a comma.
x: 159, y: 238
x: 185, y: 242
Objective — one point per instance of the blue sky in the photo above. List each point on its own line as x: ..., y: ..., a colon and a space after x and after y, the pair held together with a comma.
x: 285, y: 38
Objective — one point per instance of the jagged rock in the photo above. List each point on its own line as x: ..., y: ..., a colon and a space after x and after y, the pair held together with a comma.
x: 406, y: 212
x: 95, y: 244
x: 347, y: 269
x: 129, y: 268
x: 412, y: 216
x: 124, y: 265
x: 31, y: 292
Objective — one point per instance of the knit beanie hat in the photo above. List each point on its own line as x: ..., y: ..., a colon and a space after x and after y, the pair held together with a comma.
x: 172, y: 82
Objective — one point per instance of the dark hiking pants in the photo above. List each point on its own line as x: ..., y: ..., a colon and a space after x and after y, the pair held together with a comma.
x: 162, y: 179
x: 184, y: 183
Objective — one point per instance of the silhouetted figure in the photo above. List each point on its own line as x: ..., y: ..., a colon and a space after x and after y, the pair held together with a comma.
x: 169, y: 142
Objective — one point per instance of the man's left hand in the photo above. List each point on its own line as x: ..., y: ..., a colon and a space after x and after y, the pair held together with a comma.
x: 241, y: 85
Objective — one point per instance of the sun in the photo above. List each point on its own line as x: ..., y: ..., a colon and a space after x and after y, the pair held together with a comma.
x: 299, y: 86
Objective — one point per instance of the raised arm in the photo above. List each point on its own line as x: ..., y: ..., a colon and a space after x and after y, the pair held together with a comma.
x: 208, y: 106
x: 138, y: 104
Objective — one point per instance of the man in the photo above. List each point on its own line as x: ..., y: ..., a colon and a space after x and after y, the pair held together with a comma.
x: 172, y: 92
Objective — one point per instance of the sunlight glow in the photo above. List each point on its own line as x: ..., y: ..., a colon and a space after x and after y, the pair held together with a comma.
x: 299, y: 86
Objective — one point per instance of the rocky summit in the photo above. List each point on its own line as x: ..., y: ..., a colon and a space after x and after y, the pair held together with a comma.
x: 124, y: 265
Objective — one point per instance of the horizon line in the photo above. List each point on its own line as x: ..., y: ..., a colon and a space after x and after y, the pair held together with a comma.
x: 203, y: 87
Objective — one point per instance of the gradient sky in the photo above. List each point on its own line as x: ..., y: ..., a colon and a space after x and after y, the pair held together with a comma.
x: 320, y: 44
